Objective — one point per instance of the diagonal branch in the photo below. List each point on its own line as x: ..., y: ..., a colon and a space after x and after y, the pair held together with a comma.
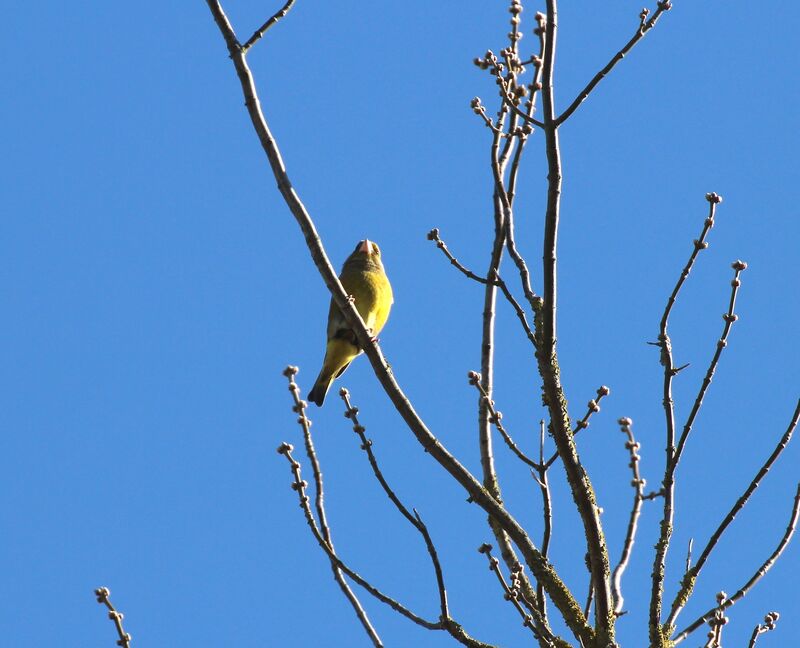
x: 730, y: 317
x: 592, y: 407
x: 447, y: 622
x: 514, y: 594
x: 541, y: 569
x: 645, y: 26
x: 102, y: 594
x: 496, y: 417
x: 300, y: 485
x: 263, y: 29
x: 759, y: 574
x: 690, y: 577
x: 415, y: 520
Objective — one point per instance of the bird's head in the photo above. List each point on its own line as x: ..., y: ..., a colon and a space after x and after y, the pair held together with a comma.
x: 367, y: 248
x: 366, y: 254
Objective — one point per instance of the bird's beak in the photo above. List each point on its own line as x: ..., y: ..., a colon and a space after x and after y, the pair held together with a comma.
x: 366, y: 247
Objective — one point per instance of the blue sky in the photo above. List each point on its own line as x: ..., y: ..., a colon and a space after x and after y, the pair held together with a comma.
x: 154, y: 286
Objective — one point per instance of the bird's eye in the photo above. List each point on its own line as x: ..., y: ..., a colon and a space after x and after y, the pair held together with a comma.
x: 376, y: 248
x: 358, y: 246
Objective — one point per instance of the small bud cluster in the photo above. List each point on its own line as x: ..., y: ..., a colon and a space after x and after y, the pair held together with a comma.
x: 632, y: 446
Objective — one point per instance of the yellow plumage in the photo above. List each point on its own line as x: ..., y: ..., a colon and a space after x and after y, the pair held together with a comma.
x: 365, y: 280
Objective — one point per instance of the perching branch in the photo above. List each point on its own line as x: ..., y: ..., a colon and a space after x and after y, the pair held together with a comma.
x: 542, y: 570
x: 102, y: 594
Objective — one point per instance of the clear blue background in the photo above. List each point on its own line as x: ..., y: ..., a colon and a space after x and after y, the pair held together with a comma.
x: 153, y: 286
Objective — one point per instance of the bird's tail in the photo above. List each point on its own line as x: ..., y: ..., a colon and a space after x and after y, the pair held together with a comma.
x: 320, y: 389
x: 338, y: 356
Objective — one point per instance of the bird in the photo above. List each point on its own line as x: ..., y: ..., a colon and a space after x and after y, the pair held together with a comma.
x: 367, y: 285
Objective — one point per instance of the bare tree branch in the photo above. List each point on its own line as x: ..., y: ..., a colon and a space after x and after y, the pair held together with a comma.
x: 556, y: 589
x: 690, y: 576
x: 638, y: 497
x: 658, y: 637
x: 645, y: 26
x: 533, y: 622
x: 769, y: 624
x: 447, y: 622
x: 592, y: 407
x: 547, y: 516
x: 433, y: 235
x: 496, y: 418
x: 300, y: 486
x: 730, y: 317
x: 102, y: 594
x: 579, y: 482
x: 323, y: 530
x: 757, y: 576
x: 415, y: 520
x: 263, y: 29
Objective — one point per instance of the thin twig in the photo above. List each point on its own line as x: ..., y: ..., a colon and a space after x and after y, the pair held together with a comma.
x: 645, y: 26
x: 299, y: 408
x: 448, y: 623
x: 730, y: 317
x: 769, y: 624
x: 102, y: 594
x: 547, y: 515
x: 688, y: 565
x: 593, y: 406
x: 657, y: 636
x: 351, y: 413
x: 691, y: 574
x: 757, y: 576
x: 638, y: 497
x: 716, y: 623
x: 263, y: 29
x: 496, y: 417
x: 587, y: 607
x: 513, y: 595
x: 299, y: 485
x: 433, y: 235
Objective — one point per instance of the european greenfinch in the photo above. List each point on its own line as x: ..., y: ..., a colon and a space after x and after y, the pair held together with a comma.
x: 365, y: 281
